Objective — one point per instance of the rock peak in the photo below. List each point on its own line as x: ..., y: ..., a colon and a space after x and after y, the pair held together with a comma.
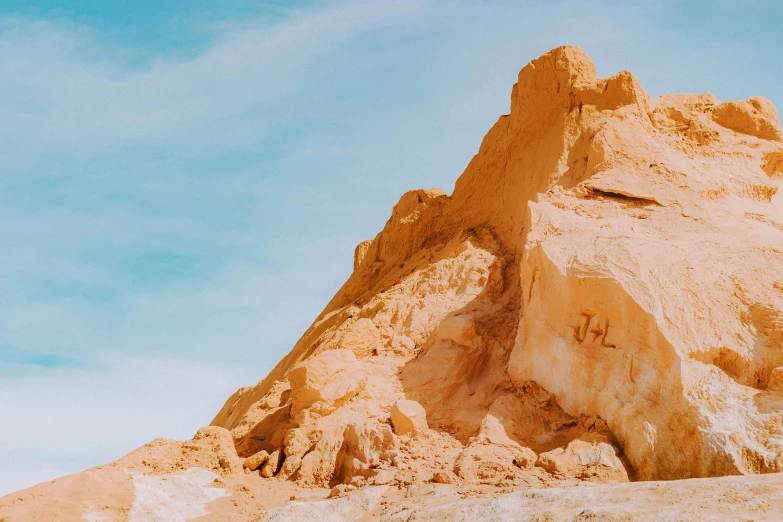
x: 539, y: 271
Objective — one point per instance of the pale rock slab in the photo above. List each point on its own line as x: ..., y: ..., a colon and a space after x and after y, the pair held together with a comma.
x: 363, y: 338
x: 585, y: 459
x: 341, y: 509
x: 325, y: 382
x: 408, y: 417
x: 174, y: 497
x: 719, y: 499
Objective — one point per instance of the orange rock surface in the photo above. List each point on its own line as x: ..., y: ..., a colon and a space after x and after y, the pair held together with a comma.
x: 599, y: 300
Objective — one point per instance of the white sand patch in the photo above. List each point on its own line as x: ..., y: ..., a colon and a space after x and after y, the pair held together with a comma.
x: 174, y: 497
x: 343, y: 509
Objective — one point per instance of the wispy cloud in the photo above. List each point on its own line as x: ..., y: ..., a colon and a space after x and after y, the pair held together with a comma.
x: 65, y: 92
x: 65, y: 419
x: 118, y: 177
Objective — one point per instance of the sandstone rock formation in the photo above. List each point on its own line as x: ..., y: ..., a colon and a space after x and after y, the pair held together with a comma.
x: 620, y: 251
x: 599, y: 300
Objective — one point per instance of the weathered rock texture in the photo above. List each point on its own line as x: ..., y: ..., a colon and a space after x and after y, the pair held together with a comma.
x: 600, y: 299
x: 621, y: 252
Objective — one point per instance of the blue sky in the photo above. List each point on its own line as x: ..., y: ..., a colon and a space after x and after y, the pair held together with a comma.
x: 182, y: 183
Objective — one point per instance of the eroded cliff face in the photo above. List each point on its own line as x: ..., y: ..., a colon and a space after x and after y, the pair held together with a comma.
x: 600, y: 299
x: 653, y: 286
x: 619, y: 252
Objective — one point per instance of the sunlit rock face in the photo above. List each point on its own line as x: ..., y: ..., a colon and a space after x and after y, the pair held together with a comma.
x: 620, y: 252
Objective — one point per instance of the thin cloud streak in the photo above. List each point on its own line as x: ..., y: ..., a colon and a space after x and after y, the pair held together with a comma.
x: 65, y: 420
x: 62, y: 97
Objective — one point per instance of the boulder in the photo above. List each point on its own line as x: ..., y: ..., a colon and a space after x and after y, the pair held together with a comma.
x: 272, y: 464
x: 755, y: 116
x: 256, y: 460
x: 491, y: 464
x: 587, y: 458
x: 443, y: 477
x: 325, y: 382
x: 408, y: 417
x: 384, y: 476
x: 363, y: 338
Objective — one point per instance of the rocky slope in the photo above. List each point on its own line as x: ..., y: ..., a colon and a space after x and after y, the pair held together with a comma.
x: 599, y: 300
